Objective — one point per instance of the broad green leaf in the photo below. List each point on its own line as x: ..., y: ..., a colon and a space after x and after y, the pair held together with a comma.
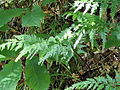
x: 4, y: 28
x: 33, y: 18
x: 7, y: 15
x: 37, y: 76
x: 10, y: 75
x: 113, y: 40
x: 1, y: 10
x: 45, y: 2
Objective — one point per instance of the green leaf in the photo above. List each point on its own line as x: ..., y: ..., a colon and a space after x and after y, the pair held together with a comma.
x: 112, y: 41
x: 4, y: 28
x: 33, y: 18
x: 109, y: 78
x: 92, y: 37
x: 103, y: 36
x: 95, y: 86
x: 37, y: 76
x: 100, y: 87
x: 90, y: 86
x: 7, y: 15
x: 2, y: 57
x: 45, y: 2
x: 41, y: 35
x: 117, y: 88
x: 10, y: 76
x: 1, y: 10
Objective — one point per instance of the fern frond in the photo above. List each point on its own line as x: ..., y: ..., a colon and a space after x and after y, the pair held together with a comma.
x: 30, y: 45
x: 88, y: 4
x: 59, y: 52
x: 98, y: 83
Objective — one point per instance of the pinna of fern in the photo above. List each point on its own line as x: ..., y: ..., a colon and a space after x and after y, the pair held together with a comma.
x: 30, y: 45
x: 26, y: 43
x: 98, y: 83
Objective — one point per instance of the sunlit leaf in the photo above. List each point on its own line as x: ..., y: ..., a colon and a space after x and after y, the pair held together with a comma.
x: 4, y: 28
x: 10, y: 75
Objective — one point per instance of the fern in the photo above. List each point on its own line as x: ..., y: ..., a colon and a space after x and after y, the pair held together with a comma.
x: 88, y: 4
x: 27, y: 43
x: 92, y: 24
x: 30, y: 45
x: 98, y: 83
x: 59, y: 53
x: 92, y: 5
x: 88, y: 25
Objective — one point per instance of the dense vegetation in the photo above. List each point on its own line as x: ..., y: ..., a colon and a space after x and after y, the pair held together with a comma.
x: 59, y: 45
